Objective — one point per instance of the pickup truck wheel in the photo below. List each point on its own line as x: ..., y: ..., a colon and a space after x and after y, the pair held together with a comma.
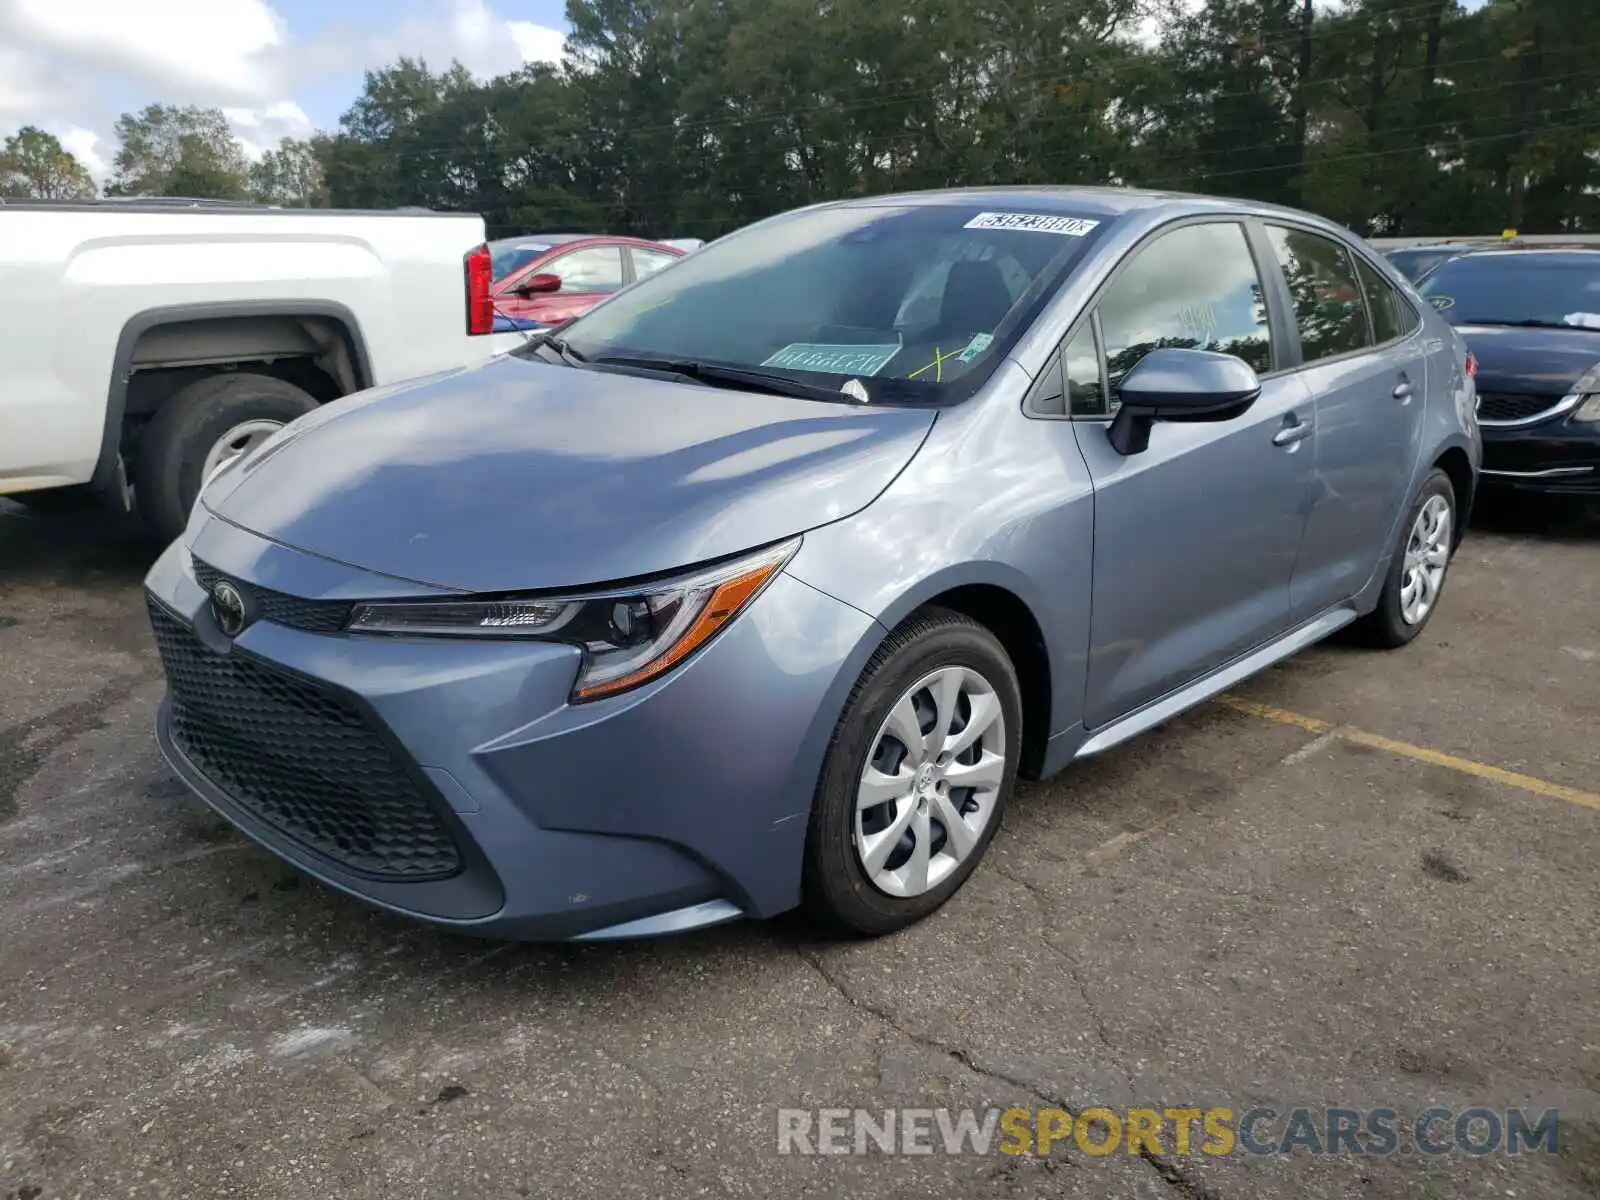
x: 199, y: 429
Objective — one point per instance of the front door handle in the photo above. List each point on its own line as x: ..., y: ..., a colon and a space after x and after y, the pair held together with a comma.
x: 1290, y: 434
x: 1403, y: 390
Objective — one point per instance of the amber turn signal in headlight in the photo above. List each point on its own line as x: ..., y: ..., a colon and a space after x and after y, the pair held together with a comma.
x: 629, y: 636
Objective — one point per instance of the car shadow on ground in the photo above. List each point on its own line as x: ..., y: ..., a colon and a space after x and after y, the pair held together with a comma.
x: 1550, y: 519
x: 72, y: 549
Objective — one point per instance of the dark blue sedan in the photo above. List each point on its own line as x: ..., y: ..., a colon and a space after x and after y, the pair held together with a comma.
x: 1532, y: 319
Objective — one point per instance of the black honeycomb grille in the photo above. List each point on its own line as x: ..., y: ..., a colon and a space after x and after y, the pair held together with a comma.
x: 1512, y: 406
x: 300, y: 759
x: 314, y: 616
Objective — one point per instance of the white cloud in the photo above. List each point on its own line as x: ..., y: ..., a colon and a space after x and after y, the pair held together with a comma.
x: 84, y: 145
x: 258, y: 130
x: 30, y: 87
x: 214, y: 49
x: 537, y: 43
x: 70, y: 66
x: 468, y: 31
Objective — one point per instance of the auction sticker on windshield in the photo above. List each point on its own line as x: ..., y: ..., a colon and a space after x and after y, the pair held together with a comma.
x: 834, y: 360
x: 1032, y: 223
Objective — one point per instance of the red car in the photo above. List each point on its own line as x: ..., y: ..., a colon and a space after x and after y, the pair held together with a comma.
x: 550, y: 278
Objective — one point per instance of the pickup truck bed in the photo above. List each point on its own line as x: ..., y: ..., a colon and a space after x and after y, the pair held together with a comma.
x: 140, y: 340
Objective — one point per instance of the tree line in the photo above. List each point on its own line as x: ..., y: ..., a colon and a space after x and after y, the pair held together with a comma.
x: 693, y: 117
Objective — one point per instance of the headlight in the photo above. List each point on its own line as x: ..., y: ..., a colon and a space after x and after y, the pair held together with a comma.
x: 630, y: 636
x: 1588, y: 385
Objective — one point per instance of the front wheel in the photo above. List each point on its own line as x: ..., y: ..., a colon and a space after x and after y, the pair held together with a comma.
x: 917, y: 776
x: 1416, y: 577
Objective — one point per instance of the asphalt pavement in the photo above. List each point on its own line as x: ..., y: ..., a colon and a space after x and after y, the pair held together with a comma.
x: 1364, y: 880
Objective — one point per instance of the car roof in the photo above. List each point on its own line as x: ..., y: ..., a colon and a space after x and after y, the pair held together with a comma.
x: 537, y: 239
x: 1569, y: 255
x: 1436, y: 248
x: 553, y: 240
x: 1109, y: 203
x: 1094, y: 201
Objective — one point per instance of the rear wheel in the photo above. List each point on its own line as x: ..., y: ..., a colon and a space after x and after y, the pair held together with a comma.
x: 200, y: 430
x: 917, y: 776
x: 1416, y: 576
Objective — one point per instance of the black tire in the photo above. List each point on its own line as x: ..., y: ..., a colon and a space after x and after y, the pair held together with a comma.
x: 75, y: 498
x: 835, y: 886
x: 174, y: 447
x: 1384, y: 628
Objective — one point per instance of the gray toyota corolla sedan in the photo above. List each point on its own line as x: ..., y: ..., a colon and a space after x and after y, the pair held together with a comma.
x: 762, y: 583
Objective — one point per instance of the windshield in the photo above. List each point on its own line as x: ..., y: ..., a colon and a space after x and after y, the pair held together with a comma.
x: 514, y: 258
x: 1413, y: 264
x: 916, y: 302
x: 1517, y: 289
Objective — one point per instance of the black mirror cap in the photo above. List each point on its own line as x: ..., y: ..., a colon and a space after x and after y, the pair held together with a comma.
x: 1173, y: 384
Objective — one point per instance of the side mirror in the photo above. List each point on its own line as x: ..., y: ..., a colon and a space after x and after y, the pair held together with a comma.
x: 1179, y: 385
x: 535, y: 285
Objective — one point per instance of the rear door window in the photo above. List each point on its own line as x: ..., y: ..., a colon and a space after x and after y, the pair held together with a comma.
x: 1328, y: 305
x: 648, y: 262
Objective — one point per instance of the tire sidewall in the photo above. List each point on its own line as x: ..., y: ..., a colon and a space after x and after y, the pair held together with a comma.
x: 834, y: 868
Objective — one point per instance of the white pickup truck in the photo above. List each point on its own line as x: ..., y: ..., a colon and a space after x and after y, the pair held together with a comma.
x: 145, y: 343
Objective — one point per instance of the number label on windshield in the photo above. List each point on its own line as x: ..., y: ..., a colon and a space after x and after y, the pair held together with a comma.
x: 1032, y: 223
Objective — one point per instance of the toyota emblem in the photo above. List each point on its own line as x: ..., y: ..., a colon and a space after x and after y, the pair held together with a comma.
x: 227, y: 606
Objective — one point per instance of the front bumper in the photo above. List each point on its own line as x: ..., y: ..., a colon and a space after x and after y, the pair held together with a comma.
x: 450, y: 780
x: 1557, y: 456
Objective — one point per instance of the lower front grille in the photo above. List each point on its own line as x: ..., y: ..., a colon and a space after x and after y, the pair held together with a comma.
x: 1513, y: 406
x: 301, y: 759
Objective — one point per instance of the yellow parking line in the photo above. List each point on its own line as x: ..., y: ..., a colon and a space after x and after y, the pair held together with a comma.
x: 1540, y: 787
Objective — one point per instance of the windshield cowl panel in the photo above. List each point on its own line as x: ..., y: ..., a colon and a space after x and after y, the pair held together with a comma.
x: 905, y: 303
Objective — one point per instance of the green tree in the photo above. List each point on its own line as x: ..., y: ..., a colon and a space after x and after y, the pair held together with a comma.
x: 694, y: 117
x: 291, y: 176
x: 33, y: 165
x: 171, y: 151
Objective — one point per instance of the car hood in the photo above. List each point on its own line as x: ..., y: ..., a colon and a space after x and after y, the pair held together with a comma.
x: 525, y: 475
x: 1540, y: 362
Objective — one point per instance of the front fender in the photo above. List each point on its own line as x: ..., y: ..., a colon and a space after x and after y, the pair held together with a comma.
x: 1028, y: 530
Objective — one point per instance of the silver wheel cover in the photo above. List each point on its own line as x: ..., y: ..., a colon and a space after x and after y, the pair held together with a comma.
x: 931, y: 782
x: 1426, y: 557
x: 235, y: 444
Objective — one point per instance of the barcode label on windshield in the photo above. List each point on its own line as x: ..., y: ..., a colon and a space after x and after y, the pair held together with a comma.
x: 1032, y: 223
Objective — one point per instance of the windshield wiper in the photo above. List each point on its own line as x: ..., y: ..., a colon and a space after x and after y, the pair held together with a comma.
x: 704, y: 372
x: 545, y: 337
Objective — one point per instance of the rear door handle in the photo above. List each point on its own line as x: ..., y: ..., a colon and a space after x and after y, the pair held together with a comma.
x: 1290, y: 434
x: 1403, y: 390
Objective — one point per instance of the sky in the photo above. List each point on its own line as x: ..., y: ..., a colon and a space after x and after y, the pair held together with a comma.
x: 276, y: 68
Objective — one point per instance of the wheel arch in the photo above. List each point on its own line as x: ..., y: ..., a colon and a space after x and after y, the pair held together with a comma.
x: 110, y: 471
x: 1002, y: 600
x: 1453, y: 461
